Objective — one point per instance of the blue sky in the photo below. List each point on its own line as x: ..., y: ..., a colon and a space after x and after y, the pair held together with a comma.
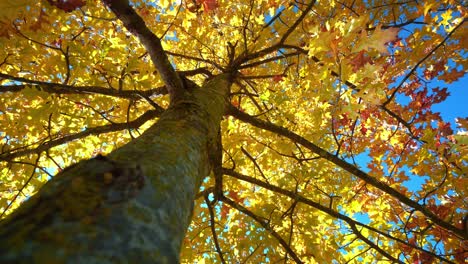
x: 456, y: 105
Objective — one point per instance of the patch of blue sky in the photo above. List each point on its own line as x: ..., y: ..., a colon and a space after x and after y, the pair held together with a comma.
x: 415, y: 182
x: 361, y: 160
x: 362, y: 218
x: 456, y: 103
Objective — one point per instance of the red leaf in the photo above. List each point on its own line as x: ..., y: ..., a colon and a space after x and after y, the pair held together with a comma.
x: 278, y: 78
x: 440, y: 94
x: 451, y: 76
x: 407, y: 249
x: 363, y: 129
x: 6, y: 30
x: 360, y: 60
x: 461, y: 255
x: 67, y: 5
x: 444, y: 128
x: 426, y: 258
x: 42, y: 19
x: 462, y: 122
x: 208, y: 5
x: 224, y: 211
x: 235, y: 196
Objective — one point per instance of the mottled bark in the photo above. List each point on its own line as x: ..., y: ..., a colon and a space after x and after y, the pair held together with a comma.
x: 132, y: 206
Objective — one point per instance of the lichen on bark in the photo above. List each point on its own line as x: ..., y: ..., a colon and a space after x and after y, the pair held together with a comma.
x: 134, y: 205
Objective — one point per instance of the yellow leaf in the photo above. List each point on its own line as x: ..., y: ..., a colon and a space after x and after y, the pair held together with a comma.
x: 377, y: 39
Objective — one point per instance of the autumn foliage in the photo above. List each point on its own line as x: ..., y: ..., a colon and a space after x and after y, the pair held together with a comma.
x: 332, y: 152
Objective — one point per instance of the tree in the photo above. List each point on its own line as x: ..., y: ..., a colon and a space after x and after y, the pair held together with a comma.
x: 294, y: 131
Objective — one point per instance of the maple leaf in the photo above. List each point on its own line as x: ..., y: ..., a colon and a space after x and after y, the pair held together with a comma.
x: 461, y: 255
x: 425, y: 258
x: 363, y: 129
x: 225, y: 210
x: 208, y: 5
x: 359, y: 60
x: 451, y: 76
x: 67, y: 5
x: 6, y: 30
x: 183, y: 100
x: 462, y: 122
x: 278, y: 78
x: 377, y: 39
x: 42, y: 19
x: 434, y: 70
x: 440, y: 94
x: 408, y: 249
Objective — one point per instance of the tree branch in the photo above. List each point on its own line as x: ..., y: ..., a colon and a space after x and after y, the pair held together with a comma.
x: 6, y: 156
x: 413, y: 70
x: 245, y: 57
x: 137, y: 26
x: 346, y: 166
x: 299, y: 198
x: 213, y: 229
x: 373, y: 245
x: 265, y: 225
x: 57, y: 88
x: 12, y: 201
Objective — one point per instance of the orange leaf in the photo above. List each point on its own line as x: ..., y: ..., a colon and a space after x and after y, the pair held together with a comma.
x: 208, y: 5
x: 378, y: 39
x: 451, y: 76
x: 359, y: 60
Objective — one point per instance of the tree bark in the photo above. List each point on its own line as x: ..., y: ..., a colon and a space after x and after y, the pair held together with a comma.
x: 132, y: 206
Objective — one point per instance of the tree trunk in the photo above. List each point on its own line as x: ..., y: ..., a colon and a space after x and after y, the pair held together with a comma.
x: 132, y: 206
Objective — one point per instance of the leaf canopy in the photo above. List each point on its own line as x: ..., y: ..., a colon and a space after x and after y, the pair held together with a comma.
x: 331, y: 150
